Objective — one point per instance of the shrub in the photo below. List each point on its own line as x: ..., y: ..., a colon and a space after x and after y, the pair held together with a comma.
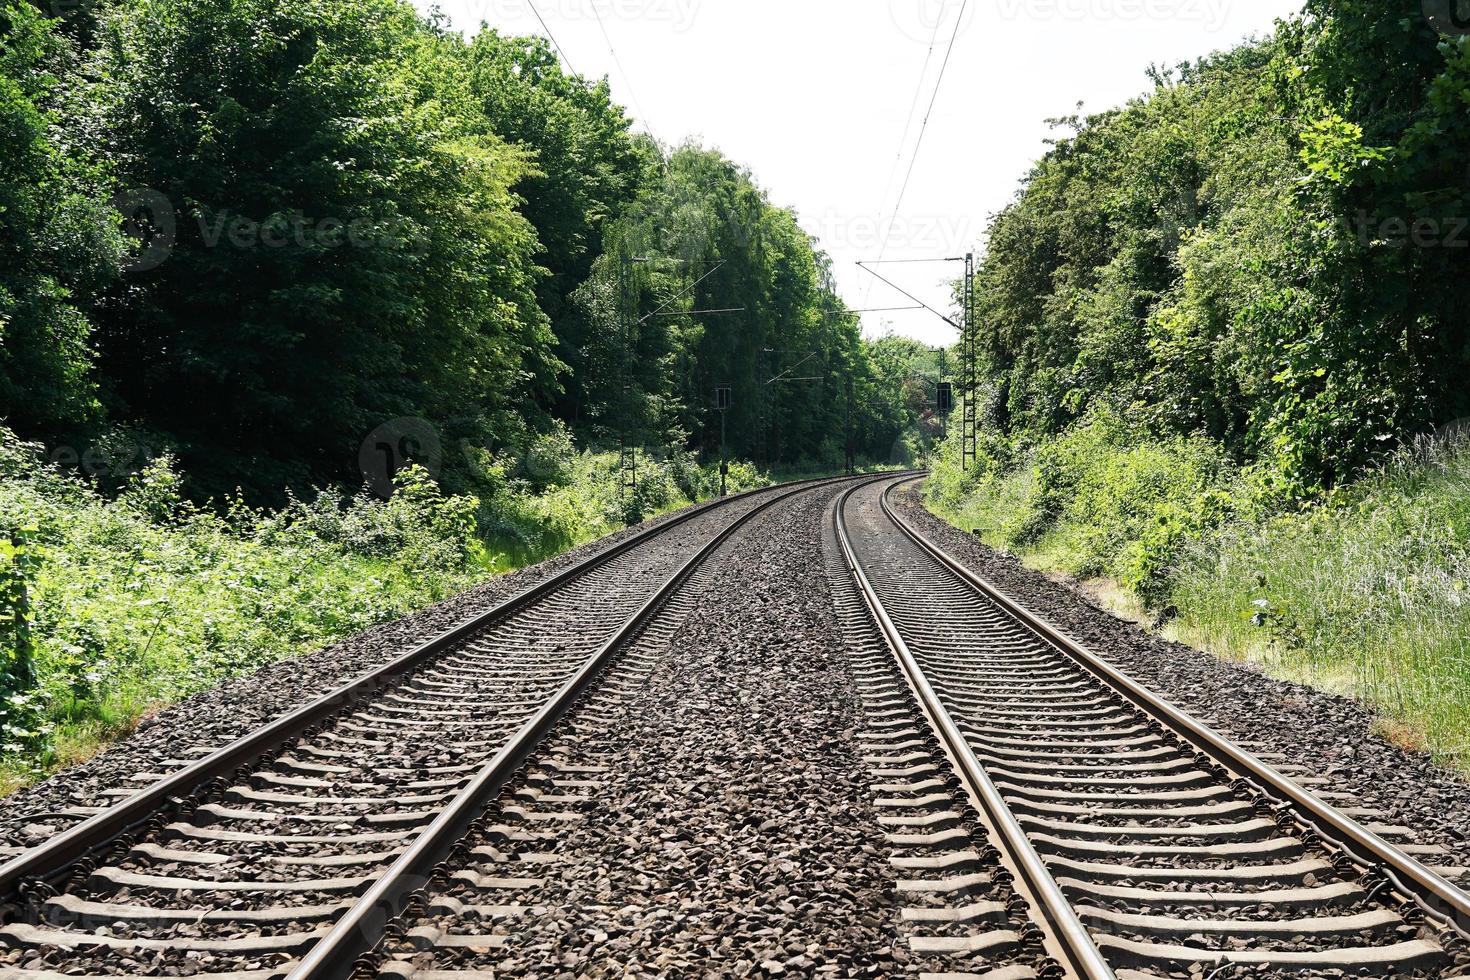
x: 1104, y: 497
x: 1366, y: 592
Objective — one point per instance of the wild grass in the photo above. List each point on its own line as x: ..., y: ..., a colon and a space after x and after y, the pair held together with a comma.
x: 1363, y: 593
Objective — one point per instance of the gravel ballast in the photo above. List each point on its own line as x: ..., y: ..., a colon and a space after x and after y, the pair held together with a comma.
x: 733, y: 832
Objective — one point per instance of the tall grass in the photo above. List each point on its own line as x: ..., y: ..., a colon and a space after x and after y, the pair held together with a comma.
x: 1363, y: 594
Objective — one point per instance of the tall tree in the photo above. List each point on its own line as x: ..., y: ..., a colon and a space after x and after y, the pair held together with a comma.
x: 586, y: 167
x: 59, y: 244
x: 345, y: 247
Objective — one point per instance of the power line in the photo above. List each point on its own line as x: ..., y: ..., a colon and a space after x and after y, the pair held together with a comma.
x: 874, y: 309
x: 681, y: 292
x: 908, y: 125
x: 864, y: 267
x: 952, y: 258
x: 924, y: 128
x: 565, y: 60
x: 624, y: 72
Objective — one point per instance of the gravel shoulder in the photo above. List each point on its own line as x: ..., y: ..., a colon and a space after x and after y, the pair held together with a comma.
x: 218, y: 716
x: 1331, y: 735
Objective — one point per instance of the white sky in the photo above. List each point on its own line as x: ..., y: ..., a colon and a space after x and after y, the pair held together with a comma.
x: 813, y: 96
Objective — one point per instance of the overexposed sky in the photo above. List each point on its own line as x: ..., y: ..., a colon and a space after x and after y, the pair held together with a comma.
x: 813, y: 96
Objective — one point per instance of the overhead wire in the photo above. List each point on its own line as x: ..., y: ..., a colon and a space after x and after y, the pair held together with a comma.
x: 924, y: 128
x: 628, y: 81
x: 552, y: 37
x: 908, y: 126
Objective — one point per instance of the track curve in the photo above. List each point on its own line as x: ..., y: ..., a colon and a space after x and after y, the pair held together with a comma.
x: 1149, y: 844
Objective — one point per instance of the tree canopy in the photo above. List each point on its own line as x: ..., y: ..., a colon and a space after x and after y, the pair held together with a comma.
x: 1267, y: 248
x: 258, y: 233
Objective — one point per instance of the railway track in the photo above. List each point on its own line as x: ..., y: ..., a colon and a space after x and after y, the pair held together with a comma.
x: 1056, y: 819
x: 1044, y: 816
x: 296, y: 848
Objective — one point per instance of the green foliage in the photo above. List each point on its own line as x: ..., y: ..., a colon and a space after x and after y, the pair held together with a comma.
x: 1102, y: 499
x: 149, y: 598
x: 1365, y: 595
x: 58, y: 244
x: 347, y: 247
x: 343, y: 216
x: 717, y: 243
x: 585, y: 169
x: 1332, y: 148
x: 141, y: 600
x: 556, y: 497
x: 20, y: 725
x: 1268, y: 248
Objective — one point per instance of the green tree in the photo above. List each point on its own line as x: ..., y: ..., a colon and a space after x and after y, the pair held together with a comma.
x: 586, y: 168
x: 347, y: 248
x: 1261, y: 249
x: 59, y: 244
x: 715, y: 241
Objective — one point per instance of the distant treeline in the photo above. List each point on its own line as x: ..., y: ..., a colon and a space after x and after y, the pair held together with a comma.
x: 1271, y: 248
x: 252, y: 233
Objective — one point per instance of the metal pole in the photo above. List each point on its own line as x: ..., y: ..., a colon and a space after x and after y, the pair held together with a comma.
x: 724, y: 462
x: 969, y: 436
x: 761, y: 393
x: 849, y: 452
x: 627, y: 451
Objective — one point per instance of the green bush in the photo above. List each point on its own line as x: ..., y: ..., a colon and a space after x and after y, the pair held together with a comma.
x: 1365, y: 594
x: 144, y: 598
x: 1103, y: 498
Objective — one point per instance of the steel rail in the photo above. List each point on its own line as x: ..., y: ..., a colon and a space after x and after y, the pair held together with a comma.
x: 60, y: 853
x: 336, y: 955
x: 1055, y: 914
x: 1408, y: 875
